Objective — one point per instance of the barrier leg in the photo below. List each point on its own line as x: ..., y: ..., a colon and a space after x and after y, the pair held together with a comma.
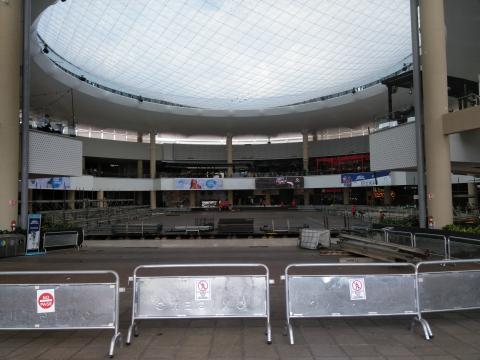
x: 288, y: 330
x: 427, y: 325
x: 132, y: 330
x: 427, y: 332
x: 116, y: 337
x: 290, y: 334
x: 269, y: 333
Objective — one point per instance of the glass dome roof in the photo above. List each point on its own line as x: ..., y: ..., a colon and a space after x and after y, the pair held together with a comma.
x: 229, y: 54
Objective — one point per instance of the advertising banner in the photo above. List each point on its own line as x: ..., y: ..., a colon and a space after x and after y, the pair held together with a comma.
x: 199, y: 184
x: 33, y: 232
x: 279, y: 182
x: 381, y: 178
x: 55, y: 183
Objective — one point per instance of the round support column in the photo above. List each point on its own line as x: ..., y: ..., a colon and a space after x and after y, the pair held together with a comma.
x: 435, y: 95
x: 153, y: 169
x: 305, y: 151
x: 10, y: 54
x: 139, y: 194
x: 229, y: 155
x: 472, y: 195
x: 71, y: 200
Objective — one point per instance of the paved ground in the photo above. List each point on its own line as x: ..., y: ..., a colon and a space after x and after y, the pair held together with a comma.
x: 457, y: 335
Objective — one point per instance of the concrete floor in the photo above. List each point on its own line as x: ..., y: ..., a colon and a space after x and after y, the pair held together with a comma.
x: 457, y: 335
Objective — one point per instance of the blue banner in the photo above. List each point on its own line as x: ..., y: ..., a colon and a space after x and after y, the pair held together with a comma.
x: 365, y: 179
x: 199, y: 184
x: 54, y: 183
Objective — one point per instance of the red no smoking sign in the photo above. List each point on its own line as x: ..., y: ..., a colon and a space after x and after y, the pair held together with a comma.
x: 45, y: 301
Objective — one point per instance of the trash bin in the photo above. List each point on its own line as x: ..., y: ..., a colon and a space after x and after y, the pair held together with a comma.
x: 12, y: 245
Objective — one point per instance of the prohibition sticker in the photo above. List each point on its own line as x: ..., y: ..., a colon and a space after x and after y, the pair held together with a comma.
x: 202, y: 289
x: 45, y: 301
x: 357, y: 289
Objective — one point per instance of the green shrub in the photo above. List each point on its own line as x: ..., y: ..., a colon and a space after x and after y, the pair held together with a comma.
x: 58, y: 226
x: 472, y: 229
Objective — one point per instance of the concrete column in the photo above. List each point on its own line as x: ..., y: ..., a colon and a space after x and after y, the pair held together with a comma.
x: 346, y: 196
x: 139, y: 194
x: 139, y: 169
x: 305, y: 151
x: 153, y: 169
x: 71, y: 199
x: 315, y: 136
x: 230, y: 196
x: 387, y: 196
x: 472, y: 195
x: 435, y: 95
x: 229, y: 155
x: 10, y: 55
x: 268, y: 200
x: 193, y: 198
x: 101, y: 199
x: 306, y: 197
x: 30, y: 201
x: 140, y: 162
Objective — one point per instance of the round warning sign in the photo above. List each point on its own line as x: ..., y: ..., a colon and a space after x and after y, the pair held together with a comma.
x: 202, y: 285
x: 357, y: 285
x: 357, y: 289
x: 202, y: 289
x: 45, y: 301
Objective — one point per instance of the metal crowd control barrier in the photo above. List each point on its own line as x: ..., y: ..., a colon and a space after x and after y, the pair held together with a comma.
x: 401, y: 233
x: 200, y: 297
x: 332, y: 295
x: 60, y: 305
x: 60, y: 239
x: 449, y: 288
x: 463, y: 247
x: 427, y: 241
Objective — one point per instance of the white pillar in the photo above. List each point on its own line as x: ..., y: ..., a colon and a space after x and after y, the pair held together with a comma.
x: 472, y: 195
x: 10, y: 55
x: 139, y: 194
x: 140, y: 162
x: 229, y: 155
x: 387, y: 196
x: 305, y: 151
x: 268, y: 198
x: 71, y: 199
x: 346, y: 196
x: 153, y: 169
x: 101, y: 199
x: 435, y: 95
x: 306, y: 197
x: 193, y: 198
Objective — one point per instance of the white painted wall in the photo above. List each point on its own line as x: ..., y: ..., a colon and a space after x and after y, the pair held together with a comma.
x: 90, y: 183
